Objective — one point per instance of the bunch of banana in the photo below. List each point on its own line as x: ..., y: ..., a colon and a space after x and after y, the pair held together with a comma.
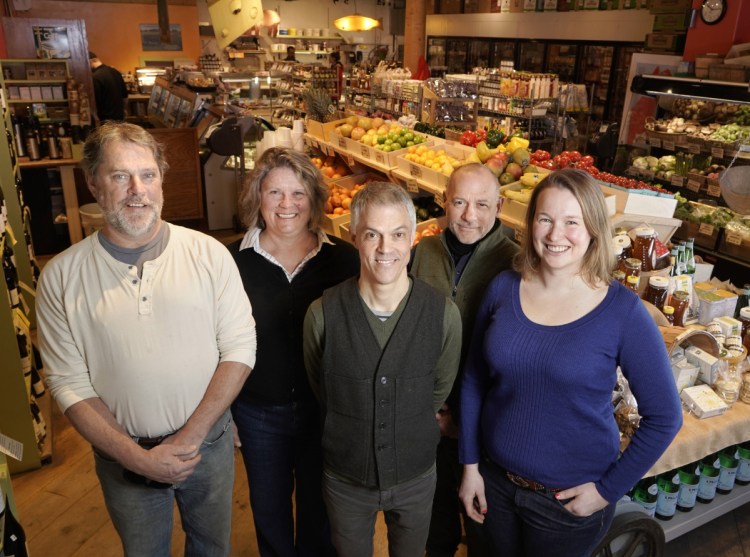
x: 531, y: 179
x: 522, y: 195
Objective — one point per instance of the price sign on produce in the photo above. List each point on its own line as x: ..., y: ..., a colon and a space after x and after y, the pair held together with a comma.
x: 677, y: 181
x: 706, y: 229
x: 349, y: 160
x: 717, y: 152
x: 694, y: 185
x: 734, y: 239
x: 342, y: 143
x: 668, y: 145
x: 380, y: 157
x: 415, y: 170
x: 412, y: 186
x: 694, y: 148
x: 365, y: 150
x: 654, y: 142
x: 714, y: 190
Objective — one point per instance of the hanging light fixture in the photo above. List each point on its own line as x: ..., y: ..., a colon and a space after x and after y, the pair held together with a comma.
x: 356, y: 22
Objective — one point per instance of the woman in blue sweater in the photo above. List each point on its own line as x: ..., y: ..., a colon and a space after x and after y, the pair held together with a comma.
x: 285, y: 261
x: 539, y: 442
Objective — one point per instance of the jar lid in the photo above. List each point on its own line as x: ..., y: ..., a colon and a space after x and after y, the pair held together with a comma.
x: 668, y: 310
x: 633, y: 262
x: 632, y: 279
x: 745, y: 312
x: 643, y: 231
x: 621, y: 240
x: 658, y: 282
x: 681, y: 295
x: 618, y: 274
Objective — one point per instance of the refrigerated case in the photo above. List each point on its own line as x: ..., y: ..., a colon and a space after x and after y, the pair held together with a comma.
x: 436, y: 55
x: 503, y: 51
x: 531, y: 56
x: 562, y: 59
x: 479, y: 54
x: 456, y: 55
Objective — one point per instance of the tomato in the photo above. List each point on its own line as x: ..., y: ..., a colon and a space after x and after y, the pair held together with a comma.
x: 587, y: 160
x: 549, y: 165
x: 541, y: 155
x: 574, y: 156
x: 562, y: 160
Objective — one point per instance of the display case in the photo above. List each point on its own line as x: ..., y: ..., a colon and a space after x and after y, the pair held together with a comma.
x: 263, y: 93
x: 173, y: 106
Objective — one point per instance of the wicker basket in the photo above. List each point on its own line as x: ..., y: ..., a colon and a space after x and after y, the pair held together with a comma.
x: 452, y: 135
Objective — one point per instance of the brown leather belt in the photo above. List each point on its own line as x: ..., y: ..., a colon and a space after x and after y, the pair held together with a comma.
x: 531, y: 485
x: 149, y: 442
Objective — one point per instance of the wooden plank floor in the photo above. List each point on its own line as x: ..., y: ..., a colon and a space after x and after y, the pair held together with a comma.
x: 63, y: 513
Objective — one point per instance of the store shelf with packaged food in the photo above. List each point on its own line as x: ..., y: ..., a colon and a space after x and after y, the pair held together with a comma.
x: 453, y: 102
x: 314, y: 45
x: 261, y: 92
x: 37, y: 88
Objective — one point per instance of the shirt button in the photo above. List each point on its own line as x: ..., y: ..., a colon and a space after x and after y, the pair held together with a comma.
x: 144, y: 298
x: 135, y: 281
x: 383, y: 403
x: 384, y: 380
x: 381, y: 425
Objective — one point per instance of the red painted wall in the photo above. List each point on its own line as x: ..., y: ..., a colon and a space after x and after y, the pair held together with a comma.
x: 113, y: 30
x: 734, y: 28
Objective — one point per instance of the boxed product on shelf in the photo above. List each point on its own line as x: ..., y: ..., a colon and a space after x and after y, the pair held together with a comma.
x: 322, y: 130
x: 633, y: 202
x: 702, y: 401
x: 664, y: 227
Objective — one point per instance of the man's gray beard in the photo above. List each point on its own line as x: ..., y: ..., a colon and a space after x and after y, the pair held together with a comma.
x: 118, y: 221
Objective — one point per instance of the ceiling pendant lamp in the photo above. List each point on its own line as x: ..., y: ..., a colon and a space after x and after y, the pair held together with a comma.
x: 356, y: 22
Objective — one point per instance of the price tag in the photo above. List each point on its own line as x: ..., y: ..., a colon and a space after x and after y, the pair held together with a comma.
x: 734, y: 239
x: 706, y: 229
x: 380, y: 157
x: 694, y: 148
x: 717, y: 152
x: 342, y: 142
x: 415, y: 170
x: 330, y: 151
x: 412, y: 186
x: 603, y: 128
x: 678, y: 181
x: 349, y: 160
x: 668, y: 144
x: 439, y: 200
x: 11, y: 447
x: 641, y: 143
x: 654, y: 142
x: 312, y: 143
x: 694, y: 185
x: 714, y: 190
x: 365, y: 150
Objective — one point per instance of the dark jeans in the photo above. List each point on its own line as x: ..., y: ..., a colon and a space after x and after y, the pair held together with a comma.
x: 447, y: 511
x: 520, y: 522
x: 282, y: 456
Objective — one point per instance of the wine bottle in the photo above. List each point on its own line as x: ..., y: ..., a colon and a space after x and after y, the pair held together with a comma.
x: 14, y: 538
x: 11, y: 275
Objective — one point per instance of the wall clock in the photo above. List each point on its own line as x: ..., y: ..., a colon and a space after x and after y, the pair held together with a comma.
x: 712, y: 11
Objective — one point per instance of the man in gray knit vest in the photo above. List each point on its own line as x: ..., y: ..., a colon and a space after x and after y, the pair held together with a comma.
x: 381, y: 351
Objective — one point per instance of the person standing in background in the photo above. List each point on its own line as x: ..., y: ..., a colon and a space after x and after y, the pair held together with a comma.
x: 147, y: 337
x: 381, y: 352
x: 335, y: 60
x: 286, y: 261
x: 460, y: 263
x: 290, y: 54
x: 538, y: 437
x: 110, y: 90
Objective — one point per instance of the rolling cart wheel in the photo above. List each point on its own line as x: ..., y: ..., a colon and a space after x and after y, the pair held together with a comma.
x: 632, y: 534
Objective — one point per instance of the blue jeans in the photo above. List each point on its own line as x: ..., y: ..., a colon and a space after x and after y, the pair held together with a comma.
x: 142, y: 515
x: 282, y: 455
x: 353, y: 510
x: 524, y: 523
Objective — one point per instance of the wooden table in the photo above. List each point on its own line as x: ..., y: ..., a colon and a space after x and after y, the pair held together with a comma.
x: 70, y: 196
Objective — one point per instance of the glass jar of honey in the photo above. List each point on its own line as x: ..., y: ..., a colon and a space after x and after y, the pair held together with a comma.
x: 631, y: 283
x: 668, y: 312
x: 631, y: 267
x: 622, y: 241
x: 644, y: 247
x: 656, y: 291
x: 745, y: 320
x: 680, y: 301
x: 619, y: 276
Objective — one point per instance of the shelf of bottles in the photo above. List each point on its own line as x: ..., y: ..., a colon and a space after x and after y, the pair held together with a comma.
x: 20, y: 370
x: 692, y: 495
